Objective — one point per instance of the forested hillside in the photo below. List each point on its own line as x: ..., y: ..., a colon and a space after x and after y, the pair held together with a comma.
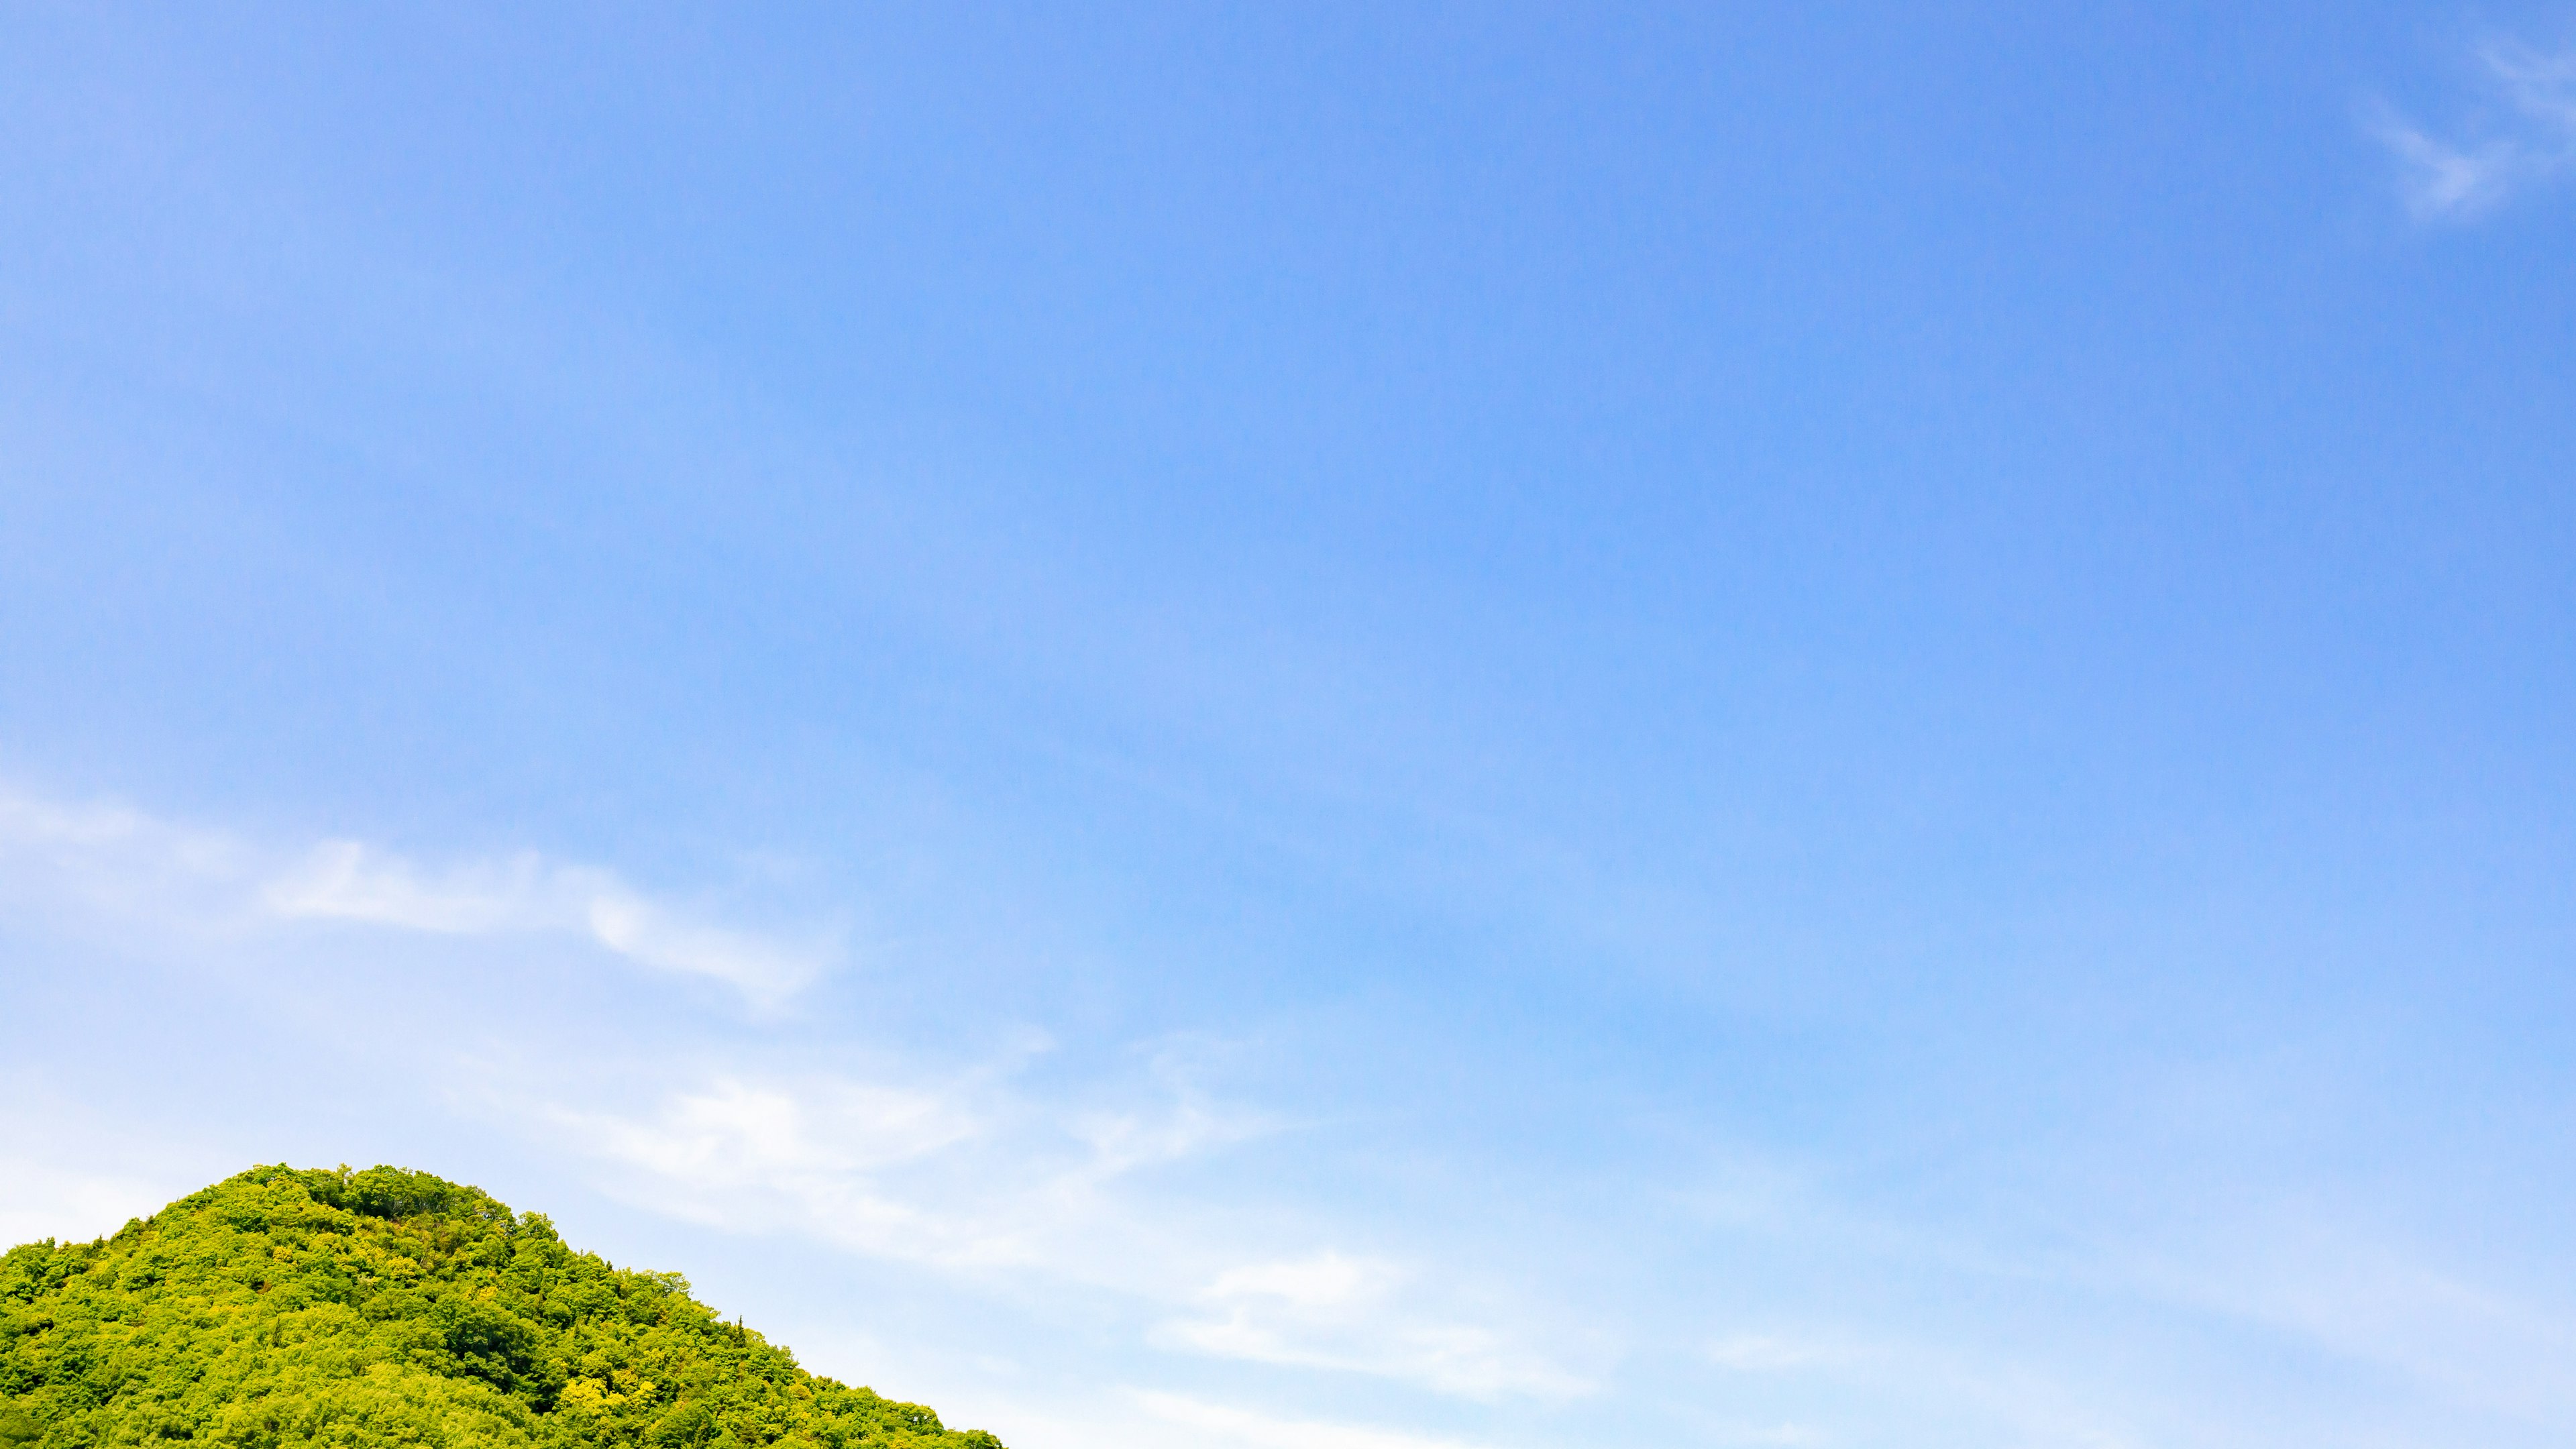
x: 383, y: 1308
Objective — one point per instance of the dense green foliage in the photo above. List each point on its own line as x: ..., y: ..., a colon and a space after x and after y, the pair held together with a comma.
x: 388, y: 1308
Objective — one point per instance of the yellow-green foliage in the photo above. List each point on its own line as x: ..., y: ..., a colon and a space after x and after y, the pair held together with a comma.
x: 287, y: 1309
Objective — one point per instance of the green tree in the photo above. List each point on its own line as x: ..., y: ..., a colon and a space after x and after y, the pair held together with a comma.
x: 303, y: 1309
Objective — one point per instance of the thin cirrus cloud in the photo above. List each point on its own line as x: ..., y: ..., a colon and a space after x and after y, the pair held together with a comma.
x: 806, y: 1158
x: 1226, y: 1424
x: 989, y: 1180
x: 344, y: 880
x: 1335, y: 1312
x: 2416, y: 1313
x: 1766, y: 1353
x: 901, y: 1167
x: 102, y: 859
x: 2528, y: 140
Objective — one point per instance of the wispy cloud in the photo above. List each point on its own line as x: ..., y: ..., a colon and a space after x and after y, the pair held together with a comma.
x: 812, y: 1156
x: 527, y: 893
x: 2525, y: 137
x: 2381, y: 1301
x: 1770, y: 1353
x: 80, y: 857
x: 966, y: 1169
x: 1244, y: 1429
x: 1337, y: 1312
x: 145, y: 870
x: 985, y: 1178
x: 953, y: 1168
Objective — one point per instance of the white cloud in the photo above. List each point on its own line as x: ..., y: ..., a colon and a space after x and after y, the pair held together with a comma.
x: 348, y: 881
x: 1327, y: 1280
x: 114, y: 862
x: 981, y: 1177
x: 805, y: 1157
x: 735, y: 1131
x: 2531, y: 141
x: 1350, y: 1314
x: 1766, y: 1353
x: 2438, y: 179
x: 1226, y: 1425
x: 2375, y: 1301
x: 133, y: 871
x: 990, y: 1177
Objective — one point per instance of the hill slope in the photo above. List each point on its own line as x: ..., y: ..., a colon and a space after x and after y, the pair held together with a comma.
x: 287, y: 1308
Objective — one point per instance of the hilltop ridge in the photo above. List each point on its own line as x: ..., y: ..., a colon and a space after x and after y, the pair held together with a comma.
x: 287, y: 1307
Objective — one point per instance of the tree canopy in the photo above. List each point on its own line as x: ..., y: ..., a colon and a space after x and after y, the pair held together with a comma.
x: 283, y: 1308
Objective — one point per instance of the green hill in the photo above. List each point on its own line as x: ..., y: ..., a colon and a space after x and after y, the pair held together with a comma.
x: 388, y: 1308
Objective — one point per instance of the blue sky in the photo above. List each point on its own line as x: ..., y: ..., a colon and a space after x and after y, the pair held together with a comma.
x: 1365, y: 727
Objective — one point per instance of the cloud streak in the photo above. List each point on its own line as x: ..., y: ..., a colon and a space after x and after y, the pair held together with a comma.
x: 344, y: 880
x: 1226, y: 1425
x: 966, y: 1170
x: 989, y: 1180
x: 143, y: 869
x: 1335, y: 1312
x: 2528, y: 140
x: 2396, y: 1306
